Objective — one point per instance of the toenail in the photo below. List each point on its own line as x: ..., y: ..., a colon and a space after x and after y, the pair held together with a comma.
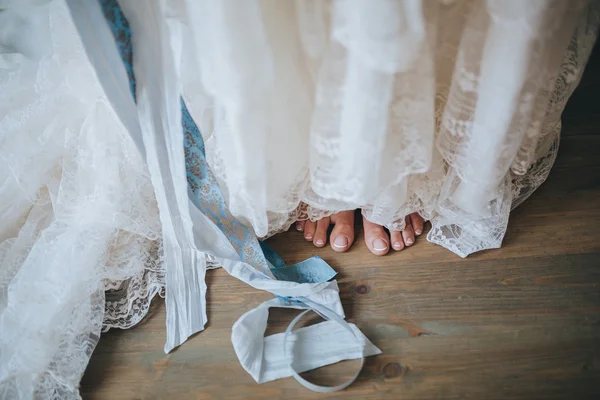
x: 398, y: 245
x: 380, y: 245
x: 409, y: 241
x: 299, y: 228
x: 309, y: 236
x: 418, y: 231
x: 320, y: 242
x: 340, y: 242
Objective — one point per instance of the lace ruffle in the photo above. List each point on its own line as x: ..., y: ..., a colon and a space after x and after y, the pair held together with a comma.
x: 449, y: 109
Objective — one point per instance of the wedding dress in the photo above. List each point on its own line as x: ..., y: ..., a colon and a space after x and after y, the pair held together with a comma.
x: 451, y: 109
x: 446, y: 108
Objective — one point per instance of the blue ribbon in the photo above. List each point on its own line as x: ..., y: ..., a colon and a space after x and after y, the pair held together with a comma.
x: 312, y: 270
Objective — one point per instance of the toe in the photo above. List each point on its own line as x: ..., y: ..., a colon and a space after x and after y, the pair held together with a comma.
x: 300, y: 226
x: 342, y: 235
x: 376, y: 238
x: 321, y: 232
x: 397, y: 241
x: 309, y: 230
x: 408, y: 234
x: 417, y: 223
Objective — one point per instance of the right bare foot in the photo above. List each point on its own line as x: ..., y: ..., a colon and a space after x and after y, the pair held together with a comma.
x: 378, y: 240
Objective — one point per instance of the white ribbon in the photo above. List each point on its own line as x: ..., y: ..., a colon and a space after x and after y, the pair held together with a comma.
x: 290, y: 353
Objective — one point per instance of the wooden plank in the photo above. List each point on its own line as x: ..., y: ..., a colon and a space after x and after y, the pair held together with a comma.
x: 446, y: 328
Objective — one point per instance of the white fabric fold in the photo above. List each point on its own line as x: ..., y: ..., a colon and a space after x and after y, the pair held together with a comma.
x: 108, y: 66
x: 159, y: 113
x: 266, y: 359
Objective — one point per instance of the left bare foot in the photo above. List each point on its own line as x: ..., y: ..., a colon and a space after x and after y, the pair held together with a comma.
x: 341, y: 237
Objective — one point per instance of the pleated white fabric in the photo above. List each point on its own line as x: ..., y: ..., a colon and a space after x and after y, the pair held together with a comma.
x: 447, y: 108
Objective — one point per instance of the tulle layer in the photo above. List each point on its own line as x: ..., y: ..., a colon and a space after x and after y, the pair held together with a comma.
x: 79, y: 216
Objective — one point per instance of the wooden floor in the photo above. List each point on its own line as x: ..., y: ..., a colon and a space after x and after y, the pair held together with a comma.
x: 521, y: 322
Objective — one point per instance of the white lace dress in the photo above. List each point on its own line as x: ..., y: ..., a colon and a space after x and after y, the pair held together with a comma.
x: 451, y: 109
x: 78, y: 215
x: 447, y: 108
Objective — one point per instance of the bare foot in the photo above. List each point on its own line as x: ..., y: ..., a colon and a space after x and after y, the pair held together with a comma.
x: 341, y: 237
x: 377, y: 239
